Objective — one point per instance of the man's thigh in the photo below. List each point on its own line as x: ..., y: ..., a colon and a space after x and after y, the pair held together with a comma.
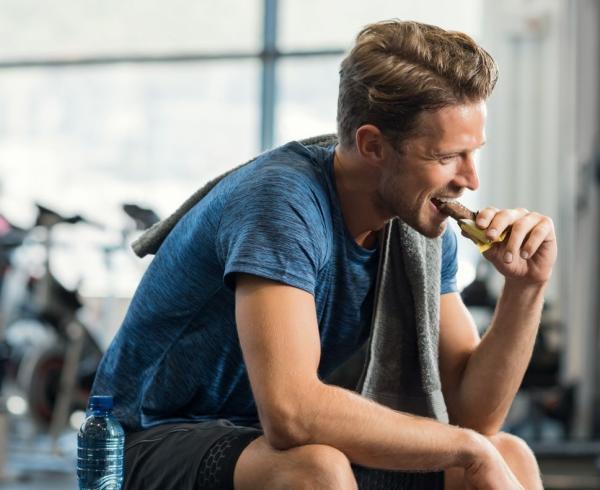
x: 185, y: 456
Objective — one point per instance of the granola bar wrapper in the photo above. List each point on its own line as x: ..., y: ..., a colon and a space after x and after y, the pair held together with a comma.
x: 476, y: 234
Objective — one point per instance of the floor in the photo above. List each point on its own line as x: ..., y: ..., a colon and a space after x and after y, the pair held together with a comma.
x: 34, y: 462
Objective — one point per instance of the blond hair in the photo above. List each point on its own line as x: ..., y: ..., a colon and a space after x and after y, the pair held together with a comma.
x: 398, y: 69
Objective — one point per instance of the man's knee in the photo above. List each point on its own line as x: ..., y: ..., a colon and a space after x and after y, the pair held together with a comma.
x: 513, y: 449
x: 310, y: 467
x: 517, y: 455
x: 509, y: 444
x: 318, y: 466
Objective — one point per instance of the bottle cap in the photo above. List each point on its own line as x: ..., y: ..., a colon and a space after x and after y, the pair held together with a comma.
x: 100, y: 402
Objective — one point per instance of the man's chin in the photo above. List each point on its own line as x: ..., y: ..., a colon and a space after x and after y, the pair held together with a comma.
x: 430, y: 230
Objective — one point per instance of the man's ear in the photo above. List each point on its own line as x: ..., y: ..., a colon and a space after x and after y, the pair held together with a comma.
x: 370, y: 144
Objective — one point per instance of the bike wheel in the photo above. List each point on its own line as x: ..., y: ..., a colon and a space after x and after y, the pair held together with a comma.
x: 39, y: 378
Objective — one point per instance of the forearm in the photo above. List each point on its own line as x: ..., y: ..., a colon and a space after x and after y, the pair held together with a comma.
x: 376, y: 436
x: 495, y: 370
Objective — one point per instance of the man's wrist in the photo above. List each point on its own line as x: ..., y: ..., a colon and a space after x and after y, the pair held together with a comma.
x: 473, y: 449
x: 522, y: 287
x: 524, y: 283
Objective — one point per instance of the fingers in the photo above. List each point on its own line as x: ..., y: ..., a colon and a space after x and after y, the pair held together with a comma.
x: 519, y: 231
x: 528, y: 234
x: 496, y: 221
x: 544, y: 230
x: 528, y: 230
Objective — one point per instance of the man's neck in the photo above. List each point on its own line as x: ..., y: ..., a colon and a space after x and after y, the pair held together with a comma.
x: 357, y: 191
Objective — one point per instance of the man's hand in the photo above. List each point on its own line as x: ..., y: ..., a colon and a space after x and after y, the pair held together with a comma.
x: 528, y: 253
x: 491, y: 474
x: 488, y: 470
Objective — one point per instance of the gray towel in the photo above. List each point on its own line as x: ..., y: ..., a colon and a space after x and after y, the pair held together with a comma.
x: 401, y: 367
x: 400, y: 361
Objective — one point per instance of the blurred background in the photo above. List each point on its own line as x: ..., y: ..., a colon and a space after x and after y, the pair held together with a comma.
x: 112, y: 113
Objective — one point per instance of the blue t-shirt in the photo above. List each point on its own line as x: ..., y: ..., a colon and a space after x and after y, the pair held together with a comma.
x: 177, y: 355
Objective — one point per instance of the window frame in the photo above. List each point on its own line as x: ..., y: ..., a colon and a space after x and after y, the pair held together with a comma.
x: 268, y: 57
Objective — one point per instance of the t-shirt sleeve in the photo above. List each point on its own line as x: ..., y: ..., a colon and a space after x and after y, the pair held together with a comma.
x: 449, y: 262
x: 274, y: 226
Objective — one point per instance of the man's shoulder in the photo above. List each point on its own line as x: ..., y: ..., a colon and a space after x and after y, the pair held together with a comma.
x: 308, y: 162
x: 292, y: 171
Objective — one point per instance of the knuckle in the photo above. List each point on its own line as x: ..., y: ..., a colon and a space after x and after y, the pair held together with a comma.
x: 530, y: 244
x: 525, y: 251
x: 519, y: 212
x: 519, y: 227
x: 484, y: 214
x: 490, y: 210
x: 538, y: 232
x: 512, y: 245
x: 505, y: 213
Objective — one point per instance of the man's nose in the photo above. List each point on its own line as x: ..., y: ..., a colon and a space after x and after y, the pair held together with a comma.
x: 467, y: 173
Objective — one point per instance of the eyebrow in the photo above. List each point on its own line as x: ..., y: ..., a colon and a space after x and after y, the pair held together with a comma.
x: 455, y: 152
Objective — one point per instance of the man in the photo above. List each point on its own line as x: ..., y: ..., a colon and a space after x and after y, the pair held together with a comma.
x: 267, y: 285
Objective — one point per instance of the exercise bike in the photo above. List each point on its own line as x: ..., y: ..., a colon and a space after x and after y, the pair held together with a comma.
x: 56, y: 343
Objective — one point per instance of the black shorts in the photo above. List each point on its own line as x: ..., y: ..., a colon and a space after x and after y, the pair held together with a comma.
x: 203, y: 456
x: 185, y: 456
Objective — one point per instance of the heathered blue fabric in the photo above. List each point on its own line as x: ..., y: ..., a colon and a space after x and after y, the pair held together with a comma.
x: 449, y: 262
x: 177, y: 356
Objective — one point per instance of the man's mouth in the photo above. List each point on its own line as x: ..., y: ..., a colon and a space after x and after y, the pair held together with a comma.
x: 438, y: 201
x: 451, y: 207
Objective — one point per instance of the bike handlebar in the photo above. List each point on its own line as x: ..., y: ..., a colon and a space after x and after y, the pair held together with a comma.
x: 47, y: 218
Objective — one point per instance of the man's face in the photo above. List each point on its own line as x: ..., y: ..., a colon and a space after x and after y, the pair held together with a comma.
x: 438, y: 162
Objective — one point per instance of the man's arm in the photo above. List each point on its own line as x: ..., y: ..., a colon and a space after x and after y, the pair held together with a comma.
x: 480, y: 378
x: 279, y: 337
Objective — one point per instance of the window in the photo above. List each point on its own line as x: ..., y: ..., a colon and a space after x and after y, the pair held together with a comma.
x: 104, y: 102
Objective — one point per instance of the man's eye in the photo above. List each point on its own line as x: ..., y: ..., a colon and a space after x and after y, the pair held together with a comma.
x: 448, y: 158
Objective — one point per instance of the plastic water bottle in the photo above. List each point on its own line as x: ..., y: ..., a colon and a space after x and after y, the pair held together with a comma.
x: 100, y: 444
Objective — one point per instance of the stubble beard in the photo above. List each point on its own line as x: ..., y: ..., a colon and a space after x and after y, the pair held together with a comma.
x: 392, y: 204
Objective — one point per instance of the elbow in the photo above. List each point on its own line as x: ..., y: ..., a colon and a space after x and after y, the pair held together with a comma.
x: 490, y: 423
x: 488, y: 429
x: 468, y: 413
x: 484, y: 425
x: 285, y: 426
x: 288, y: 420
x: 481, y: 427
